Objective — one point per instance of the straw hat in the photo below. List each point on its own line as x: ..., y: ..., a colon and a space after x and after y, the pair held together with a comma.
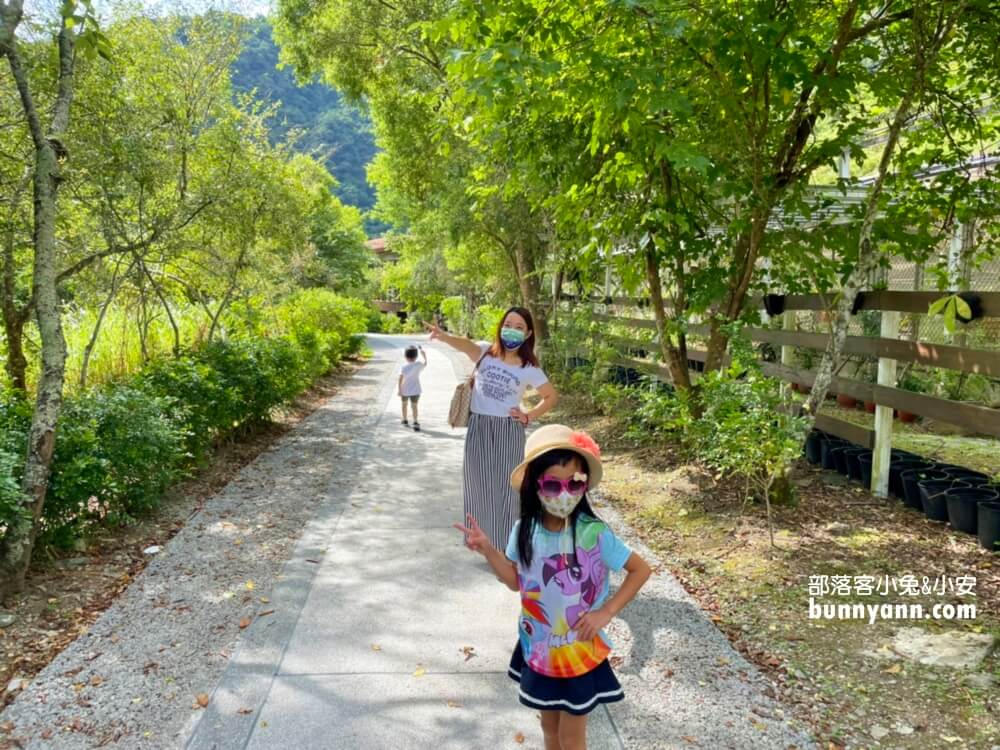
x: 555, y: 437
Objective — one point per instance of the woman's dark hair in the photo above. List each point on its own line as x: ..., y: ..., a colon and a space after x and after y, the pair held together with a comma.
x: 527, y: 350
x: 531, y: 504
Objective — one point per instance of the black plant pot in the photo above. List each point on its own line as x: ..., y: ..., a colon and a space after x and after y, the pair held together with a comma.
x: 854, y: 462
x: 989, y: 526
x: 896, y: 469
x: 827, y: 458
x: 962, y: 511
x: 840, y: 458
x: 910, y: 478
x: 814, y: 448
x: 970, y: 477
x: 865, y: 464
x: 934, y: 499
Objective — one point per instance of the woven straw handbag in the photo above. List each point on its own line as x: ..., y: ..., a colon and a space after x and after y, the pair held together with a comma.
x: 461, y: 400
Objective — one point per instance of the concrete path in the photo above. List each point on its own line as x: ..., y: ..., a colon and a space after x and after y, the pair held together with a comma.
x: 388, y: 633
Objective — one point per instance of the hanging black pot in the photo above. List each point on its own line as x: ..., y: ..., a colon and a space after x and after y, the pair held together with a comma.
x: 774, y: 304
x: 989, y: 526
x: 814, y: 448
x: 865, y: 464
x: 854, y: 462
x: 910, y: 478
x: 962, y: 511
x: 827, y: 458
x: 896, y: 469
x: 934, y: 499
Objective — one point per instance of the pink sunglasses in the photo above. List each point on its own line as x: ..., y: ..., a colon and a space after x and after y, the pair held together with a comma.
x: 550, y: 486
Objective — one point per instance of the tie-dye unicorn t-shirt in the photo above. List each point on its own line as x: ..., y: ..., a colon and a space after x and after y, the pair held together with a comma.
x: 558, y: 588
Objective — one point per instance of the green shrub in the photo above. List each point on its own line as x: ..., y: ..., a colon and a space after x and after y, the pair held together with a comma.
x: 202, y: 403
x: 391, y: 324
x: 326, y: 325
x: 10, y: 489
x: 15, y: 419
x: 118, y: 449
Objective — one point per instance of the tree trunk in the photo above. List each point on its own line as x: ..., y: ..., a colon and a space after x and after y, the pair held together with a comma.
x: 530, y: 286
x: 748, y: 249
x: 868, y: 257
x: 671, y: 354
x: 17, y: 544
x: 16, y: 364
x: 14, y: 318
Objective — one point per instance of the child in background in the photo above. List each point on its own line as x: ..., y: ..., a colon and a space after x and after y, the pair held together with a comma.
x: 559, y: 557
x: 409, y: 382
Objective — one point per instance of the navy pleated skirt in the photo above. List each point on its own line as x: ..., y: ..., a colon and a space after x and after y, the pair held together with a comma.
x: 574, y: 695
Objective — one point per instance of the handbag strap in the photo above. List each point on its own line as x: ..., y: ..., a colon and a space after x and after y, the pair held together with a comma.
x: 472, y: 375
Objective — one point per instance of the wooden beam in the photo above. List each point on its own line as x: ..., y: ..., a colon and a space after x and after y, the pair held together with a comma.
x: 977, y: 418
x: 847, y: 430
x: 906, y: 302
x: 978, y: 361
x: 636, y: 322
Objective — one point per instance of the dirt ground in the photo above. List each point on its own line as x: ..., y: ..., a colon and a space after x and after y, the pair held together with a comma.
x: 67, y: 592
x: 842, y: 677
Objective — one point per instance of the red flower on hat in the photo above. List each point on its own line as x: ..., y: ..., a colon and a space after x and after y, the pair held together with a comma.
x: 586, y: 442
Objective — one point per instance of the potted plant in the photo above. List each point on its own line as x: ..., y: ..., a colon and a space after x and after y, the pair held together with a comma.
x: 910, y: 381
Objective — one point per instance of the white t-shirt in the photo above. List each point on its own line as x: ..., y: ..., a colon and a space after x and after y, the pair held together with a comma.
x: 500, y: 387
x: 411, y: 378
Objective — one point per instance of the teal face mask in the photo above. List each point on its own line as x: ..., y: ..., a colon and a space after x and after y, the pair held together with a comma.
x: 512, y: 338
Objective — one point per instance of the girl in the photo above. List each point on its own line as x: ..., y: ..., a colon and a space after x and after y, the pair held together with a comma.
x: 494, y: 442
x: 558, y: 556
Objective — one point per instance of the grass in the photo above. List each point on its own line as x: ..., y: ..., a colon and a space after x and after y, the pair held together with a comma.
x: 758, y: 596
x: 931, y: 439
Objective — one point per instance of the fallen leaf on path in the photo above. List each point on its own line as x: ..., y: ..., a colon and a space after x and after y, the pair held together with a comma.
x: 420, y: 672
x: 264, y: 600
x: 314, y: 562
x: 469, y: 652
x: 519, y: 738
x: 7, y: 726
x: 249, y: 585
x: 46, y: 734
x: 669, y: 673
x: 202, y: 699
x: 376, y: 647
x: 244, y: 623
x: 96, y: 681
x: 245, y: 711
x: 454, y: 704
x: 265, y: 613
x: 689, y: 739
x: 894, y: 669
x: 150, y: 667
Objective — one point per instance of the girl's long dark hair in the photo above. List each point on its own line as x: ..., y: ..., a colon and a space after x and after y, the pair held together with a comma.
x: 531, y: 504
x: 527, y: 350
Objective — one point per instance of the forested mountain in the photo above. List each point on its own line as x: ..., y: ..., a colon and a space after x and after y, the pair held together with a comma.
x: 332, y: 130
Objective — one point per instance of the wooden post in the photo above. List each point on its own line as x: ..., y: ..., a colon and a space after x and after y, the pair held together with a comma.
x: 787, y: 352
x: 882, y: 454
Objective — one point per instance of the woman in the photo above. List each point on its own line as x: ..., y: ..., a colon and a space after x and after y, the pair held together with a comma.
x: 494, y: 443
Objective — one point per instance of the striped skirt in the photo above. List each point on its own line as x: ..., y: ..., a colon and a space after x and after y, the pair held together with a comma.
x: 494, y: 446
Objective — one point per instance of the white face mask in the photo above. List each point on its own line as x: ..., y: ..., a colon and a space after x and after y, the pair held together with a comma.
x: 561, y: 506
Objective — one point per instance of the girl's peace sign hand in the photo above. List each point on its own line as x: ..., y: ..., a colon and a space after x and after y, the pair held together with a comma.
x: 475, y: 537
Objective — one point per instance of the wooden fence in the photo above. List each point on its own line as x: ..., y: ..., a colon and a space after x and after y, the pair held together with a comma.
x: 887, y: 348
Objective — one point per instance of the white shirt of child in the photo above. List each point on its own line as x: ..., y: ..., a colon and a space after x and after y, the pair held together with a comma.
x: 411, y: 378
x: 500, y: 387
